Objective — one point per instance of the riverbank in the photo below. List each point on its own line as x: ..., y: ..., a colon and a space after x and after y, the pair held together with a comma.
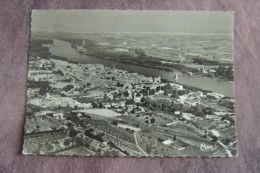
x: 163, y: 80
x: 63, y: 49
x: 138, y: 57
x: 188, y: 86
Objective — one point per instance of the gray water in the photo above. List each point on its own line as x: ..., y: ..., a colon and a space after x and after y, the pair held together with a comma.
x: 63, y: 49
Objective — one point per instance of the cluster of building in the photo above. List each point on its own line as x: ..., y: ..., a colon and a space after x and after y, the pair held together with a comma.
x: 112, y: 86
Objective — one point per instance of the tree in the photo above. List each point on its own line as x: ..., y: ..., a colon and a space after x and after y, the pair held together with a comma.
x: 59, y: 72
x: 152, y: 92
x: 200, y: 113
x: 148, y: 149
x: 94, y: 104
x: 139, y: 52
x: 221, y: 71
x: 208, y: 110
x: 100, y: 104
x: 66, y: 142
x: 126, y: 94
x: 119, y: 84
x: 168, y: 87
x: 175, y: 93
x: 43, y: 91
x: 142, y: 100
x: 115, y: 122
x: 68, y: 87
x: 49, y: 147
x: 129, y: 102
x: 158, y: 88
x: 111, y: 153
x: 70, y: 125
x: 79, y: 141
x: 88, y: 131
x: 160, y: 140
x: 229, y: 73
x: 73, y: 133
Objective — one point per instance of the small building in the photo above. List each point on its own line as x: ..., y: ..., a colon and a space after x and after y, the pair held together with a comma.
x: 212, y: 71
x: 107, y: 105
x: 168, y: 142
x: 214, y: 133
x: 160, y: 92
x: 157, y: 79
x: 215, y: 96
x: 187, y: 116
x: 181, y: 148
x: 177, y: 86
x: 177, y: 112
x: 103, y: 145
x: 169, y: 124
x: 212, y: 117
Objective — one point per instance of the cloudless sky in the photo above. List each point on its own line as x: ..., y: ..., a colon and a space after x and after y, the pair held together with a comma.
x: 200, y: 22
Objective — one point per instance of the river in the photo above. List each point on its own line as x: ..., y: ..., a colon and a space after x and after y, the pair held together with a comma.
x: 63, y: 49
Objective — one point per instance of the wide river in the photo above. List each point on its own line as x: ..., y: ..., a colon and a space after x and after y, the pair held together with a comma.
x: 63, y: 49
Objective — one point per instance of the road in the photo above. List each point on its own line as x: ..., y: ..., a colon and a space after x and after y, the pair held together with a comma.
x: 139, y: 146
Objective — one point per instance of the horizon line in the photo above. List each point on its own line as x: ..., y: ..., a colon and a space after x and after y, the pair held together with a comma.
x: 174, y: 33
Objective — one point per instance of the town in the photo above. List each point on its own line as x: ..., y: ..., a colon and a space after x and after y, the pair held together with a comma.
x: 94, y: 110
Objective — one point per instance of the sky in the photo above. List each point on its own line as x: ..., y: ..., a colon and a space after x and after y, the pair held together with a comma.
x: 189, y: 22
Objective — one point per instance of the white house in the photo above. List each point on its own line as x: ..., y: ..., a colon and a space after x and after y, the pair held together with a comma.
x: 168, y: 142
